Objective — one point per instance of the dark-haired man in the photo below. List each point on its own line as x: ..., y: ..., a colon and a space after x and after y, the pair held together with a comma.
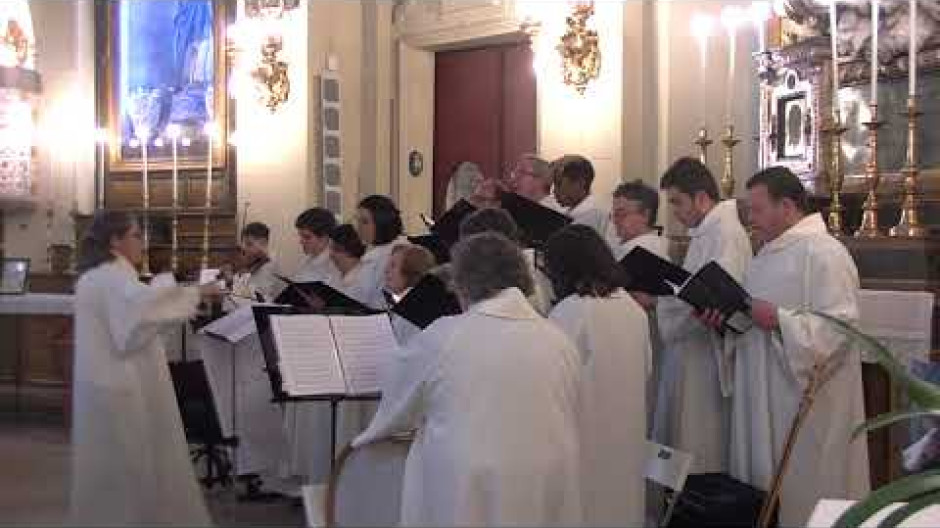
x: 692, y: 410
x: 799, y: 268
x: 313, y: 229
x: 572, y: 177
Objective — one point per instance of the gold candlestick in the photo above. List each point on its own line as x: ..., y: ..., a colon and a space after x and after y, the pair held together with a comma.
x: 210, y: 133
x: 909, y: 225
x: 869, y: 227
x: 727, y: 177
x: 703, y: 142
x: 174, y: 132
x: 835, y: 175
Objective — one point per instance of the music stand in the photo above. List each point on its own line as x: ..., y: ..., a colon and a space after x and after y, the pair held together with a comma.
x: 201, y: 421
x: 271, y: 360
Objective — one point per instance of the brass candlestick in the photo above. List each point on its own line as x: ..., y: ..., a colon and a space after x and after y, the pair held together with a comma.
x: 703, y: 142
x: 145, y: 184
x: 869, y: 227
x: 727, y: 177
x: 909, y: 225
x: 835, y: 174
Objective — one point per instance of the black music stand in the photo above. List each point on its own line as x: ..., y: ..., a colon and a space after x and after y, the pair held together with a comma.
x: 201, y: 422
x: 269, y: 349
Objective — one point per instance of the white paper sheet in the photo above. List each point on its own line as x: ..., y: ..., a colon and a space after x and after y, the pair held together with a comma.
x: 234, y: 327
x: 308, y: 360
x: 364, y: 343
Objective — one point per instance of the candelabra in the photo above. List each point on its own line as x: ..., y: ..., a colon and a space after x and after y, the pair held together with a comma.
x: 727, y: 177
x: 836, y: 174
x: 703, y: 142
x: 869, y: 227
x: 909, y: 225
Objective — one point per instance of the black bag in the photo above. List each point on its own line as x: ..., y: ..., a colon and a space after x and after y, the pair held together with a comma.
x: 717, y: 499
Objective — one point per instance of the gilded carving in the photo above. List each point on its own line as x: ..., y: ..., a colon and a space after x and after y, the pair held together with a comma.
x: 580, y: 49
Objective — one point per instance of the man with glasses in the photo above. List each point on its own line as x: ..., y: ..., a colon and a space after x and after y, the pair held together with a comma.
x: 532, y: 178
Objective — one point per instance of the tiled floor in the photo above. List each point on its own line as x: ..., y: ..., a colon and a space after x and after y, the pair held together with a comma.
x: 34, y: 477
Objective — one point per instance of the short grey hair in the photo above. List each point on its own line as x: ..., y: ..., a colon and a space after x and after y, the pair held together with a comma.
x: 486, y: 264
x: 540, y: 168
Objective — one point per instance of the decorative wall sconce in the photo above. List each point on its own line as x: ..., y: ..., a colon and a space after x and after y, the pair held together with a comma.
x: 580, y: 48
x: 267, y: 69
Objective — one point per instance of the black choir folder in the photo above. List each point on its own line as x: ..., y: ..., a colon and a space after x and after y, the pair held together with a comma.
x: 711, y: 287
x: 319, y: 295
x: 426, y: 302
x: 536, y: 222
x: 325, y: 355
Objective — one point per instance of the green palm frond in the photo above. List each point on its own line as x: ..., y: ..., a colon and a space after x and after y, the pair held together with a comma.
x: 905, y: 490
x: 910, y: 509
x: 923, y: 393
x: 890, y: 418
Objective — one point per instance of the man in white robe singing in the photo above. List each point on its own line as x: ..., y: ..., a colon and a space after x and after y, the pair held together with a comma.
x: 799, y: 269
x: 691, y: 408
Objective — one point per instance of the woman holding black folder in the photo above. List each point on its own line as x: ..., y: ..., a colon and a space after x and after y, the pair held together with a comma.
x: 611, y: 331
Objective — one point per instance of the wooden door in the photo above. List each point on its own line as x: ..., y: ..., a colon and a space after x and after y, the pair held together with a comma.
x: 484, y: 111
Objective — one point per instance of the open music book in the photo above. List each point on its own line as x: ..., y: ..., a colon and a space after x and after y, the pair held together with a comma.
x: 234, y: 326
x: 324, y: 355
x: 711, y: 287
x: 319, y: 295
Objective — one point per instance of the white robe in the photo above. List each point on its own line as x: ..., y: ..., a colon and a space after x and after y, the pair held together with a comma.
x: 613, y: 337
x: 652, y: 242
x: 591, y: 212
x: 542, y: 292
x: 493, y: 394
x: 803, y: 269
x: 552, y: 203
x: 317, y: 268
x: 261, y: 280
x: 372, y: 277
x: 130, y: 460
x: 691, y: 410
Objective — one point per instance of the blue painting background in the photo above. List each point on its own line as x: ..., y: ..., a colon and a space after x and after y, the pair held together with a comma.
x: 167, y: 68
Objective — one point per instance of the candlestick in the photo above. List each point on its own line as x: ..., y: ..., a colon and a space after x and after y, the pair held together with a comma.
x: 875, y: 15
x: 101, y: 138
x: 703, y: 142
x: 145, y: 184
x: 909, y: 224
x: 869, y: 227
x: 912, y: 69
x: 834, y: 41
x: 210, y: 134
x: 727, y: 177
x: 835, y: 175
x: 174, y: 132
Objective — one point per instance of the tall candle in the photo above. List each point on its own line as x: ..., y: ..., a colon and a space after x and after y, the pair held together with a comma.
x: 912, y: 29
x: 732, y: 48
x: 834, y: 31
x: 875, y: 12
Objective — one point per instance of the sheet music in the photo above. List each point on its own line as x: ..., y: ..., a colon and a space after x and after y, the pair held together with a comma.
x: 365, y: 343
x: 208, y: 276
x: 308, y: 360
x: 234, y: 327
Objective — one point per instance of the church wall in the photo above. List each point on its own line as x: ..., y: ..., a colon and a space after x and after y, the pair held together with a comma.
x: 692, y: 92
x: 63, y: 172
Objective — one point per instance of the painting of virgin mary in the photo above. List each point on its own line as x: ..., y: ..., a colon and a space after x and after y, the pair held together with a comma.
x: 167, y: 69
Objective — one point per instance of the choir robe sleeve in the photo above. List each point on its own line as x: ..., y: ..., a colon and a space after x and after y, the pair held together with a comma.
x: 404, y: 390
x: 137, y: 312
x: 830, y: 285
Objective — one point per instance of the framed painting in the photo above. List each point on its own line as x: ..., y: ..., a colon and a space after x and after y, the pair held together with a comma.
x: 162, y: 69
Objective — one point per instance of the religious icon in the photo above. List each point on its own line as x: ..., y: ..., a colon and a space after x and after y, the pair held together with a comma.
x: 794, y: 119
x: 165, y: 71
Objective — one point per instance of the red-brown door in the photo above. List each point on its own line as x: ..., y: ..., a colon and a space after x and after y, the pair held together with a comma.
x: 484, y: 111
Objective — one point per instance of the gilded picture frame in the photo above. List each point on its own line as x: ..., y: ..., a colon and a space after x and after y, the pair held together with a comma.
x: 124, y: 110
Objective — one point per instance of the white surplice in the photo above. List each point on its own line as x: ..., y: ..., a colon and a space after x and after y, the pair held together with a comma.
x: 612, y: 336
x: 652, y: 242
x: 317, y: 268
x: 552, y: 203
x: 803, y: 269
x: 130, y: 459
x: 493, y: 394
x: 591, y: 212
x: 692, y: 412
x: 372, y: 277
